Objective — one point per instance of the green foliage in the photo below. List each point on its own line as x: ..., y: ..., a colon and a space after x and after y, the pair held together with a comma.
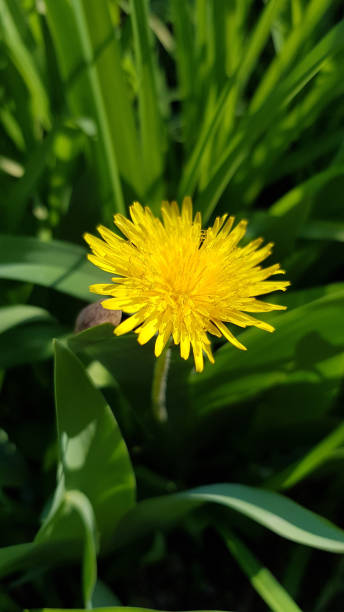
x: 239, y: 104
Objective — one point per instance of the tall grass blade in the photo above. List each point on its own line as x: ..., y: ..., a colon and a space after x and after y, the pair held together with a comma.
x: 316, y: 457
x: 110, y: 157
x: 262, y: 580
x: 23, y: 60
x: 151, y: 128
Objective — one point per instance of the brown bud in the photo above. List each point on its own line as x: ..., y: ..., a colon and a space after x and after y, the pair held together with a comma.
x: 95, y: 314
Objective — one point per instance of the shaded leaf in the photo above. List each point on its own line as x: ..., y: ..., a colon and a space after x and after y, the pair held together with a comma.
x: 59, y: 265
x: 275, y: 512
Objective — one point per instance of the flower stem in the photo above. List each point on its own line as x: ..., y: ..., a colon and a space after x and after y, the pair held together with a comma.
x: 159, y: 385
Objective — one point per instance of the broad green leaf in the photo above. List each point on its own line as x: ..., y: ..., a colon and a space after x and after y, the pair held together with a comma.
x: 94, y: 464
x: 26, y: 344
x: 266, y: 585
x: 10, y: 316
x: 108, y: 609
x: 75, y: 505
x: 307, y: 346
x: 275, y: 512
x: 295, y: 299
x: 59, y: 265
x: 22, y: 556
x: 130, y: 364
x: 93, y: 455
x: 103, y: 596
x: 81, y: 504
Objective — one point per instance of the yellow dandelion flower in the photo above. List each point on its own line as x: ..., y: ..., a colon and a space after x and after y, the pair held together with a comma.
x: 178, y: 280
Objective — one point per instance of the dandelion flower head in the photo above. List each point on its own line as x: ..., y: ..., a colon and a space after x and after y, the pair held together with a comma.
x: 178, y: 280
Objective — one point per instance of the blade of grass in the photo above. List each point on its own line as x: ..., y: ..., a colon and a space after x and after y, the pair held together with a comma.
x: 289, y: 129
x: 296, y: 11
x: 185, y: 61
x: 298, y: 36
x: 309, y: 463
x: 82, y: 505
x: 320, y: 229
x: 103, y: 119
x: 255, y: 124
x: 24, y: 62
x: 262, y: 580
x: 252, y: 53
x: 296, y: 568
x: 151, y: 128
x: 22, y: 189
x: 117, y: 101
x: 227, y: 99
x: 291, y: 212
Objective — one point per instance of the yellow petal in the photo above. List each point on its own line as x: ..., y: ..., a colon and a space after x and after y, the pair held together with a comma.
x: 129, y: 324
x: 185, y: 345
x: 147, y: 331
x: 162, y: 339
x: 198, y: 355
x: 229, y: 336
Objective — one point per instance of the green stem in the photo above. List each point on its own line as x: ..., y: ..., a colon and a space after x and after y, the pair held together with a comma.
x: 159, y: 385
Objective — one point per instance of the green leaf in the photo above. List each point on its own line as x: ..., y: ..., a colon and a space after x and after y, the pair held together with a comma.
x: 275, y: 512
x: 23, y: 59
x: 10, y: 316
x: 151, y: 127
x: 81, y: 504
x: 59, y: 265
x: 130, y: 364
x: 91, y: 65
x: 185, y: 62
x: 262, y: 118
x: 107, y: 609
x: 289, y: 214
x: 110, y: 157
x: 315, y: 10
x: 18, y: 197
x: 26, y: 344
x: 319, y: 229
x: 103, y: 596
x: 94, y: 465
x: 266, y: 585
x: 93, y: 455
x: 13, y: 468
x: 307, y: 346
x: 16, y: 558
x: 224, y: 109
x: 310, y: 462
